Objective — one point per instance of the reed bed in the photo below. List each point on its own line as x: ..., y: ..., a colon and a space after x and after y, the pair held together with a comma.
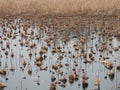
x: 60, y: 7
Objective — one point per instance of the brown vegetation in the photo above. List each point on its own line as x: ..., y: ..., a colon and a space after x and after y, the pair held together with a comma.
x: 59, y: 7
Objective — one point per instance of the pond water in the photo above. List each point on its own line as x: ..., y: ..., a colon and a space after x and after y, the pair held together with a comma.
x: 30, y: 55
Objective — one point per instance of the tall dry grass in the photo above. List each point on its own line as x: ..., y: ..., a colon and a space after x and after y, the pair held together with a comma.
x: 64, y: 7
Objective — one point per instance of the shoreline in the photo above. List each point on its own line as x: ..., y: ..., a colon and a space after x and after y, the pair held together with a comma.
x: 72, y: 14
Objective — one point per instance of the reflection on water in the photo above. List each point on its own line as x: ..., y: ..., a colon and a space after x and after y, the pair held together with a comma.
x: 34, y: 56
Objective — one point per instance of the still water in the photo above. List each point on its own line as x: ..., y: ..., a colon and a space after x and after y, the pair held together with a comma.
x: 23, y: 41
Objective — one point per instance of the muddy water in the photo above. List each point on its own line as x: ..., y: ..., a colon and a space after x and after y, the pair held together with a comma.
x: 20, y: 79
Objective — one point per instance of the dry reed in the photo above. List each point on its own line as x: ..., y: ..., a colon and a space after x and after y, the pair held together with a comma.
x: 59, y: 7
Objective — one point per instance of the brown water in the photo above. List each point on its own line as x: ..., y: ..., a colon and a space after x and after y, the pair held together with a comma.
x: 64, y: 42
